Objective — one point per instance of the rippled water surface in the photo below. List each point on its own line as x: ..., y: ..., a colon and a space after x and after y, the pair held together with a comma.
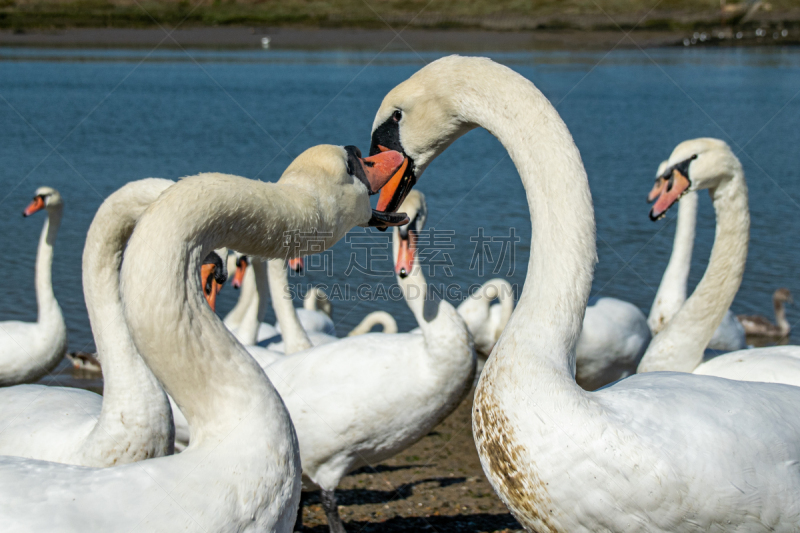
x: 88, y: 121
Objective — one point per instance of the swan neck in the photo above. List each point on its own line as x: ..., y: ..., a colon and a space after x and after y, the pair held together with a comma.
x: 188, y: 349
x: 247, y: 293
x: 258, y: 288
x: 381, y: 318
x: 681, y: 345
x: 780, y: 317
x: 124, y: 370
x: 549, y: 313
x: 672, y: 291
x: 295, y: 338
x: 49, y: 312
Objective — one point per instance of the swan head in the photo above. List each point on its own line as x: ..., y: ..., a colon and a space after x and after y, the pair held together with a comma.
x: 240, y: 264
x: 782, y: 295
x: 342, y: 181
x: 694, y: 165
x: 44, y: 198
x: 213, y: 274
x: 420, y: 118
x: 405, y: 236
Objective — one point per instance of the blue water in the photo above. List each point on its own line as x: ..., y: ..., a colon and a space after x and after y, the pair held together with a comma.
x: 88, y: 121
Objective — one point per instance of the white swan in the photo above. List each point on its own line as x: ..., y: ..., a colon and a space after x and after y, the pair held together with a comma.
x: 671, y: 292
x: 363, y: 399
x: 486, y: 321
x: 710, y: 163
x: 132, y: 420
x: 375, y: 318
x: 29, y: 350
x: 665, y: 452
x: 241, y: 472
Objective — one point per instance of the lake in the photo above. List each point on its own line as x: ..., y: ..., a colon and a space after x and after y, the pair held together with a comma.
x: 88, y: 121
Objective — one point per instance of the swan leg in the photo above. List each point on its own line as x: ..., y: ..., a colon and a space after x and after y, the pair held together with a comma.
x: 335, y: 524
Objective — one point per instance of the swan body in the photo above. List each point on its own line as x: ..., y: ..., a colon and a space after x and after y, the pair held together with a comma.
x: 767, y: 365
x: 613, y: 340
x: 132, y: 420
x: 761, y: 327
x: 697, y: 164
x: 30, y: 350
x: 671, y: 294
x: 667, y: 452
x: 241, y: 472
x: 375, y: 318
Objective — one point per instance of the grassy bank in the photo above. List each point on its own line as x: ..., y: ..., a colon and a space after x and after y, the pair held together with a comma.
x: 436, y: 14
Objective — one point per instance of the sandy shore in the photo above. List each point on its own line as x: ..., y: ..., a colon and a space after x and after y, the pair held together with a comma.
x: 291, y: 38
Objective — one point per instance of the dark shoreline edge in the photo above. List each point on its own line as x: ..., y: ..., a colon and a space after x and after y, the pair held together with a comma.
x: 370, y: 39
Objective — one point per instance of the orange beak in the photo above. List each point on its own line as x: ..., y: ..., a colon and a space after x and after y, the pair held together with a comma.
x: 394, y: 192
x: 36, y: 205
x: 297, y: 264
x: 238, y: 276
x: 210, y: 286
x: 405, y: 256
x: 671, y: 192
x: 658, y: 188
x: 381, y: 169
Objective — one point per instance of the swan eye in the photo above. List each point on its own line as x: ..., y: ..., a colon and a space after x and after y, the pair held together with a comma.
x: 397, y: 115
x: 349, y: 168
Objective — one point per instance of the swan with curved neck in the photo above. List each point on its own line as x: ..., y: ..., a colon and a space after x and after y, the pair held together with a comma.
x: 671, y: 293
x: 29, y: 350
x: 241, y: 471
x: 681, y: 344
x: 760, y: 326
x: 652, y: 452
x: 131, y: 421
x: 363, y: 399
x: 710, y: 163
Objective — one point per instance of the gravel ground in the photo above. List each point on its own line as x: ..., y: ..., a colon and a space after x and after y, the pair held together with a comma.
x: 436, y: 485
